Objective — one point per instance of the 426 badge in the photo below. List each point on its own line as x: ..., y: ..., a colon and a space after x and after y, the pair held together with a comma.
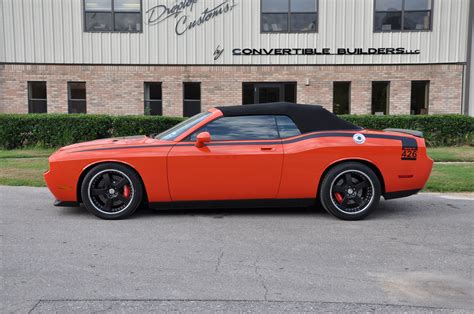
x: 409, y: 153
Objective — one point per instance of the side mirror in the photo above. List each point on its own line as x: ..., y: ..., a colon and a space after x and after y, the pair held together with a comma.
x: 202, y: 138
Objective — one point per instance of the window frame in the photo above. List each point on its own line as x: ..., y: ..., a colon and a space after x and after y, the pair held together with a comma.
x: 278, y: 126
x: 188, y: 138
x: 349, y: 107
x: 427, y: 97
x: 148, y: 100
x: 192, y: 100
x: 113, y: 12
x: 72, y: 100
x: 258, y: 84
x: 402, y: 24
x: 30, y: 98
x: 289, y: 14
x: 389, y: 84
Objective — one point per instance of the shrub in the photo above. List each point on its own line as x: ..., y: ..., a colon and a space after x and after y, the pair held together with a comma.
x: 50, y: 130
x: 54, y: 130
x: 438, y: 130
x: 133, y: 125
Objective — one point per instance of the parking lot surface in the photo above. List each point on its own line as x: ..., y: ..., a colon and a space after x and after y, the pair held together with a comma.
x: 412, y: 254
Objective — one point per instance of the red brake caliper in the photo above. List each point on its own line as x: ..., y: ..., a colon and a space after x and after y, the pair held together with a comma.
x: 339, y: 197
x: 126, y: 191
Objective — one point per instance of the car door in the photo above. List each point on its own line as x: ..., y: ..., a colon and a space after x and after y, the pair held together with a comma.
x: 243, y: 161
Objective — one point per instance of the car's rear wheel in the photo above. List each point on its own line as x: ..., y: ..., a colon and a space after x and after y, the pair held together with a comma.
x: 111, y: 191
x: 350, y: 191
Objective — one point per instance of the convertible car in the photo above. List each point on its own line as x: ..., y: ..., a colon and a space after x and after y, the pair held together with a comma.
x: 277, y: 154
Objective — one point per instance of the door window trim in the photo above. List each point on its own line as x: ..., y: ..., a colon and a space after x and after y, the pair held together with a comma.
x: 188, y: 139
x: 278, y: 126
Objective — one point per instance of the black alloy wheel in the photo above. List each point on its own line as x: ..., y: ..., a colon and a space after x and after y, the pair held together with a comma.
x: 350, y: 191
x: 111, y: 191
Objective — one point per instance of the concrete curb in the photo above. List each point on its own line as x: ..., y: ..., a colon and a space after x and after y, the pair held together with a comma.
x: 452, y: 195
x: 453, y: 162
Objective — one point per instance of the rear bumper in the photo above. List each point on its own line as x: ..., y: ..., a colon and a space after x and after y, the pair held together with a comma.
x: 400, y: 194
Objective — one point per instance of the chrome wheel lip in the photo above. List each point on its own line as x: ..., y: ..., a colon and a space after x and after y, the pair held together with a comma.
x: 90, y: 186
x: 371, y: 185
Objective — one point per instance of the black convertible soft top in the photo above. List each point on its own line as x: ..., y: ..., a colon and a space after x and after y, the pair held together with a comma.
x: 308, y: 118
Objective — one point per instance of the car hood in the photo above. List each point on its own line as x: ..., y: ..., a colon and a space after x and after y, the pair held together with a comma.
x: 109, y: 143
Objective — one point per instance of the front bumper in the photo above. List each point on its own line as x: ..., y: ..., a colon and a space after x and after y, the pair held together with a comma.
x: 61, y: 182
x: 59, y: 203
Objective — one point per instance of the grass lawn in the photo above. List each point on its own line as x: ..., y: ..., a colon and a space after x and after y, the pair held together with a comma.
x: 23, y: 166
x: 26, y: 167
x: 23, y: 171
x: 26, y: 153
x: 451, y: 178
x: 463, y: 153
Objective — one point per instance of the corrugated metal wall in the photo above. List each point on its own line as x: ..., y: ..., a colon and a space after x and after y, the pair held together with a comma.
x: 51, y: 31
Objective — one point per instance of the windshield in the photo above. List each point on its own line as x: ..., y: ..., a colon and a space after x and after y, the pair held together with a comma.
x: 177, y: 130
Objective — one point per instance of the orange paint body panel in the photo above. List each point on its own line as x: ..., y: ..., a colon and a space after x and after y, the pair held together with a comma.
x: 289, y: 168
x: 67, y: 165
x: 224, y: 172
x: 306, y: 161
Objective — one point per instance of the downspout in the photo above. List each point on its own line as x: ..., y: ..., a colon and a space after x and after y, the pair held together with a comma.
x: 468, y: 93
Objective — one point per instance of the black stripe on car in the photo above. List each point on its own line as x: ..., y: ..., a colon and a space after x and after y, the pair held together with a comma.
x: 407, y: 142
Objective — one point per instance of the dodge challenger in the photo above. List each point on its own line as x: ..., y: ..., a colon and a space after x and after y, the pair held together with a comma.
x: 277, y: 154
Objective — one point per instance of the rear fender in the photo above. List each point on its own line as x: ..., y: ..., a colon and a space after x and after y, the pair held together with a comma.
x: 363, y: 161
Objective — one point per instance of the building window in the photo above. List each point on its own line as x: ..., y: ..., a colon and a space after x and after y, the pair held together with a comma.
x: 402, y: 15
x: 113, y: 16
x: 289, y: 16
x: 77, y: 102
x: 153, y: 99
x: 261, y: 93
x: 380, y: 97
x: 192, y: 99
x: 37, y: 99
x: 420, y: 95
x: 341, y: 98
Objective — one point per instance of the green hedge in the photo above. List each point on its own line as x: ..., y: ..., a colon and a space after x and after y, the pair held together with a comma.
x: 438, y: 130
x: 133, y: 125
x: 54, y: 130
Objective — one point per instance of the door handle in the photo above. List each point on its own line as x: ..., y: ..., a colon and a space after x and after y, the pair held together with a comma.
x: 268, y: 149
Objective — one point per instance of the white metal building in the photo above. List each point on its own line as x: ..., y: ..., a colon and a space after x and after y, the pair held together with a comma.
x: 178, y: 57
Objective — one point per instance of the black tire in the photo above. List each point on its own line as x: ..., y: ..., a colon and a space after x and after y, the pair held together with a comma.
x: 105, y: 195
x: 350, y: 191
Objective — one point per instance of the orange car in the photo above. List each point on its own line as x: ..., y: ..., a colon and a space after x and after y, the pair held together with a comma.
x: 276, y: 154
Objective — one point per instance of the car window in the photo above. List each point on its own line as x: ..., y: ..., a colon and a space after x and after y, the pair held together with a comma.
x: 240, y: 128
x: 177, y: 130
x: 286, y: 127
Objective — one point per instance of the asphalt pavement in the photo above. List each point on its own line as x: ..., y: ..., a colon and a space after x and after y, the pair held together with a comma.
x: 413, y: 254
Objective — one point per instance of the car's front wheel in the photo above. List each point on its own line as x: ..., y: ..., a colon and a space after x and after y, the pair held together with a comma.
x: 111, y: 191
x: 350, y: 191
